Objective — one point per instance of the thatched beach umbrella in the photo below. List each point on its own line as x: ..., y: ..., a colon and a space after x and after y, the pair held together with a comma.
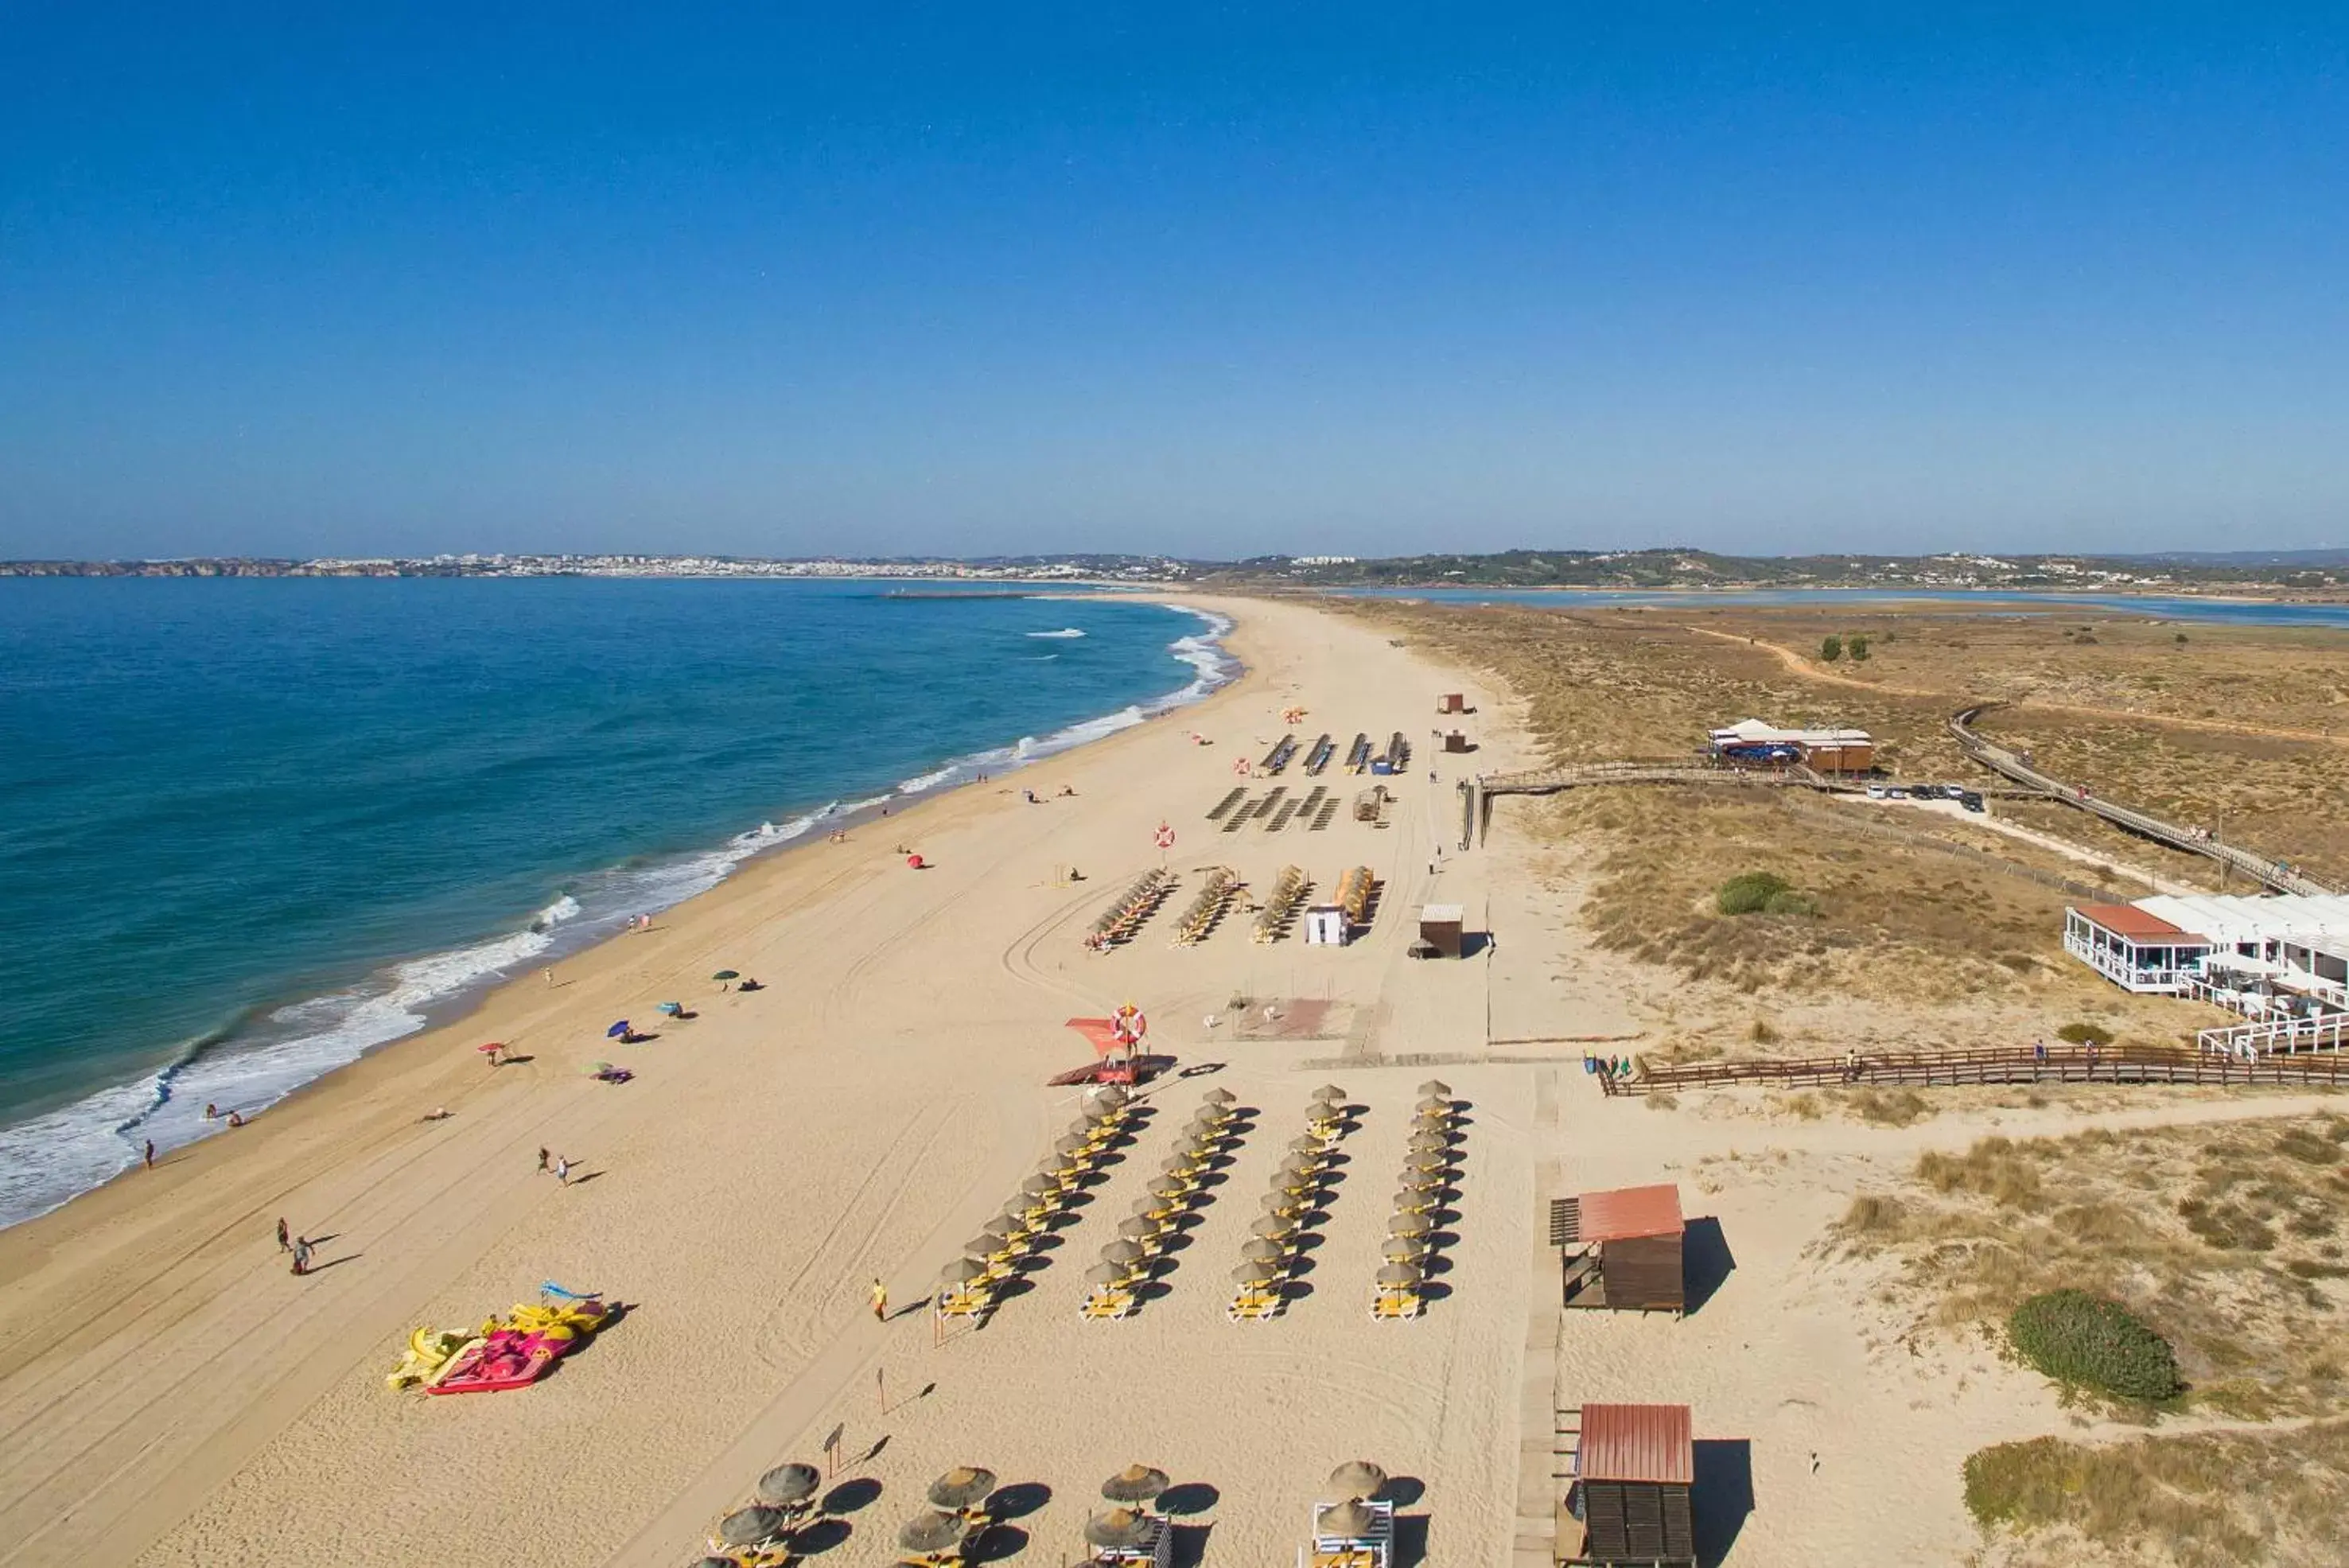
x: 1168, y: 1188
x: 1398, y: 1274
x: 1220, y: 1095
x: 1137, y: 1227
x: 1039, y: 1186
x: 1107, y: 1274
x: 1434, y: 1105
x: 1437, y: 1086
x: 1070, y: 1145
x: 1305, y: 1142
x: 1109, y: 1094
x: 1125, y: 1253
x: 1119, y: 1528
x: 1408, y: 1225
x: 930, y: 1531
x: 986, y: 1244
x: 961, y: 1272
x: 1135, y: 1483
x: 1273, y: 1226
x: 1349, y: 1521
x: 750, y: 1526
x: 1405, y: 1249
x: 1353, y: 1482
x: 1252, y: 1273
x: 787, y: 1485
x: 1263, y: 1249
x: 961, y: 1487
x: 1329, y: 1093
x: 1177, y: 1164
x: 1277, y: 1201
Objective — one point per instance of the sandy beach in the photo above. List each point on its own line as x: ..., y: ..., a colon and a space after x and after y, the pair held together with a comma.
x: 173, y: 1394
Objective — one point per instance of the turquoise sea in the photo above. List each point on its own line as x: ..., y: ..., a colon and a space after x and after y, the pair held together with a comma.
x: 255, y: 828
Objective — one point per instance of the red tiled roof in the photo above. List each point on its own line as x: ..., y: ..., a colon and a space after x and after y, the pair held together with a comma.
x: 1630, y: 1212
x: 2129, y: 920
x: 1637, y: 1443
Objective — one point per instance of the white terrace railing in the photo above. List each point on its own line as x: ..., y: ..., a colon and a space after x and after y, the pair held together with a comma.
x: 2327, y: 1031
x: 2112, y: 967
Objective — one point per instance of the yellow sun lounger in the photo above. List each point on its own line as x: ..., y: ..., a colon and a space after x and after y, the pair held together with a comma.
x: 1394, y: 1306
x: 1253, y: 1306
x: 1108, y: 1303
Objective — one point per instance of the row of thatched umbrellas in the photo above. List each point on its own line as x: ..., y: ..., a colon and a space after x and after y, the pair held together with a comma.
x: 1295, y: 1192
x: 993, y: 1255
x: 1141, y: 1235
x: 785, y: 1504
x: 1426, y: 1170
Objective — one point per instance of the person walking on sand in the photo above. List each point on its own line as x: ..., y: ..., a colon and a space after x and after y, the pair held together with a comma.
x: 301, y: 1255
x: 151, y: 1154
x: 542, y: 1157
x: 285, y: 1237
x: 880, y: 1302
x: 563, y: 1169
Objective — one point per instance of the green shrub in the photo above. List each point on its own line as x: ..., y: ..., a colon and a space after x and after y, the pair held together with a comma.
x: 2076, y: 1338
x: 1761, y: 893
x: 2086, y: 1034
x: 1831, y: 650
x: 1858, y: 648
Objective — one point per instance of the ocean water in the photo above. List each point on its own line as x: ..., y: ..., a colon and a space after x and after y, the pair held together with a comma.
x: 2242, y: 612
x: 250, y: 830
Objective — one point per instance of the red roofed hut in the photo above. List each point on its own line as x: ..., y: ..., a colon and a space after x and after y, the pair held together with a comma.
x: 1633, y: 1466
x: 1622, y: 1250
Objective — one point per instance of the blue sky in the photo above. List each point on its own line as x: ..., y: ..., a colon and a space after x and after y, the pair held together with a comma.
x: 1210, y: 280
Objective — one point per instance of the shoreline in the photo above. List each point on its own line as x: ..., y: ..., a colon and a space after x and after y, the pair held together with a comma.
x: 1207, y: 650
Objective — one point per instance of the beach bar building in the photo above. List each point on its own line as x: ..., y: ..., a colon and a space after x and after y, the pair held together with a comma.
x: 1622, y: 1250
x: 2255, y: 954
x: 1628, y: 1496
x: 1751, y: 742
x: 1443, y: 928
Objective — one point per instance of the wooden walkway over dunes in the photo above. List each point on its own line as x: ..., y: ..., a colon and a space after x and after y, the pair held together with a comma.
x: 2274, y: 874
x: 1998, y: 1065
x: 1476, y: 795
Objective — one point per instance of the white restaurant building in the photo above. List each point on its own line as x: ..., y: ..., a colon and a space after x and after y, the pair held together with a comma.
x: 2281, y: 960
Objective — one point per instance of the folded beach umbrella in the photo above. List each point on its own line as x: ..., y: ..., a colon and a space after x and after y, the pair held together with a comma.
x: 1121, y: 1529
x: 1398, y: 1274
x: 1405, y: 1249
x: 1135, y: 1483
x: 961, y: 1487
x: 1353, y: 1482
x: 617, y: 1030
x: 1435, y: 1087
x: 750, y: 1526
x: 930, y: 1531
x: 1349, y: 1521
x: 788, y: 1484
x: 1408, y: 1225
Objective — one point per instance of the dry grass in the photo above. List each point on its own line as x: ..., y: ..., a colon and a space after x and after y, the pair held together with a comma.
x: 2198, y: 1500
x: 2223, y: 1239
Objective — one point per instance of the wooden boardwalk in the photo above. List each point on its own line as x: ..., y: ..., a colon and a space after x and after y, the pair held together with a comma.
x: 2274, y: 874
x: 2002, y: 1065
x: 1476, y: 795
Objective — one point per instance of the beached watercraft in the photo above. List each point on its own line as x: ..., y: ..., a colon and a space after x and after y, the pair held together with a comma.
x: 504, y: 1352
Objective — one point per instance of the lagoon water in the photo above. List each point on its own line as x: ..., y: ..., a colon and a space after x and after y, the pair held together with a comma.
x: 253, y: 828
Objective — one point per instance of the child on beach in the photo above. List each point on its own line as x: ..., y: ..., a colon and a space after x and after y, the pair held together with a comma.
x: 301, y: 1255
x: 562, y: 1169
x: 284, y: 1238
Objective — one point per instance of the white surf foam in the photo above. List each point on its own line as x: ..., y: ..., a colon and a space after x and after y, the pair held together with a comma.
x: 1064, y: 631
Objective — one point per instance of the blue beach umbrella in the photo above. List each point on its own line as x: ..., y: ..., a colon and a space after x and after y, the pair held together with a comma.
x: 617, y: 1030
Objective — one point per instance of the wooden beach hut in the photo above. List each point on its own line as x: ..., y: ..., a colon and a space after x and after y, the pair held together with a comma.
x: 1627, y: 1502
x: 1441, y: 928
x: 1454, y: 741
x: 1452, y: 702
x: 1622, y: 1250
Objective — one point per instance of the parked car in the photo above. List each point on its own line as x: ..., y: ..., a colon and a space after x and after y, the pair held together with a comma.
x: 1896, y: 792
x: 1970, y: 799
x: 1954, y: 792
x: 1877, y: 791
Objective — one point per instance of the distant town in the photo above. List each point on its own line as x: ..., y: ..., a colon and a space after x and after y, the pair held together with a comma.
x: 2312, y: 574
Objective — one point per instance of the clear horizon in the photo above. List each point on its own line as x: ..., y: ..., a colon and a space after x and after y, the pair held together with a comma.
x: 1366, y: 280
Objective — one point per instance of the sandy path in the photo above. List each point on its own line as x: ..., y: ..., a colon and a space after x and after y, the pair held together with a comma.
x: 1796, y: 663
x: 170, y: 1394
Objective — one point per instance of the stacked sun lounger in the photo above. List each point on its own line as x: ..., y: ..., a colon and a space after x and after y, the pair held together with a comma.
x: 1427, y: 1165
x: 1223, y: 808
x: 1357, y: 755
x: 1354, y: 894
x: 1214, y: 894
x: 1142, y: 1237
x: 1319, y: 756
x: 970, y: 1285
x: 1288, y: 891
x: 1321, y: 818
x: 1121, y: 919
x: 1298, y: 1189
